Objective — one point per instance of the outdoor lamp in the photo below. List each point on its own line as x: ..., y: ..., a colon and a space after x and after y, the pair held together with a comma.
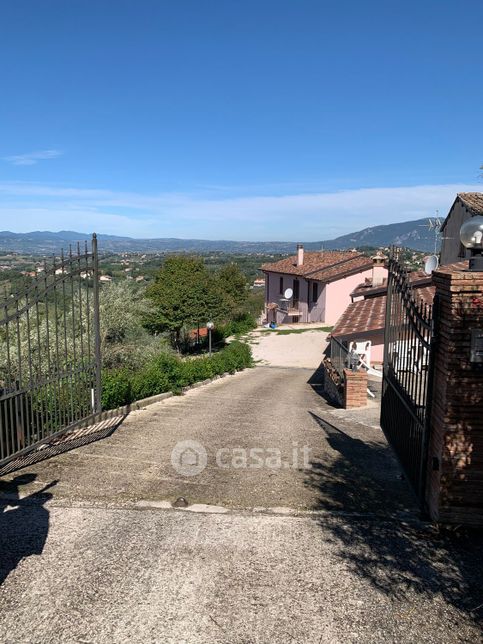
x: 471, y: 235
x: 210, y: 326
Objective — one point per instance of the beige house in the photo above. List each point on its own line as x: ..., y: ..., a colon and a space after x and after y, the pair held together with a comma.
x: 466, y: 205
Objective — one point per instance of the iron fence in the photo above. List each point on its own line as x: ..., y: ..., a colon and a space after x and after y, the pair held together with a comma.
x: 50, y: 361
x: 339, y: 357
x: 407, y: 374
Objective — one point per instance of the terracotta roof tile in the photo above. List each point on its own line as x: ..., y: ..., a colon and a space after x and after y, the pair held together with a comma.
x: 473, y: 201
x: 417, y: 278
x: 456, y: 266
x: 368, y: 315
x: 324, y: 266
x: 366, y: 289
x: 349, y: 267
x: 361, y: 317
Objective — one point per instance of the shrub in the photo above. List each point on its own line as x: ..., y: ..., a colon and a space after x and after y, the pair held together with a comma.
x: 116, y: 388
x: 150, y: 381
x: 239, y: 354
x: 240, y: 325
x: 124, y: 340
x: 196, y: 370
x: 169, y: 373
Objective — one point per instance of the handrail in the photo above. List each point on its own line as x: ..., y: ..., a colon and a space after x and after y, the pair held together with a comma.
x: 361, y: 362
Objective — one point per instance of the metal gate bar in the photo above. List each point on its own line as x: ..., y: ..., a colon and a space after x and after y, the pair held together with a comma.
x: 407, y: 375
x: 50, y: 360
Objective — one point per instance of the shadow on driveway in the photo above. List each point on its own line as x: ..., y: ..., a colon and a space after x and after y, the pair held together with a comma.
x: 324, y: 387
x: 24, y: 522
x: 363, y: 478
x: 400, y: 555
x: 65, y: 443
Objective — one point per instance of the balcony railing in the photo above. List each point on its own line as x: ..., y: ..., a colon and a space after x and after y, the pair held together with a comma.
x: 290, y: 307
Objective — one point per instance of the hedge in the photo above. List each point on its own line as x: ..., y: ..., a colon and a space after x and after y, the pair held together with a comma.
x: 240, y: 325
x: 170, y: 373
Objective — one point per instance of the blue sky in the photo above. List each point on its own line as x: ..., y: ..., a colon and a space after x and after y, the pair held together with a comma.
x: 261, y: 119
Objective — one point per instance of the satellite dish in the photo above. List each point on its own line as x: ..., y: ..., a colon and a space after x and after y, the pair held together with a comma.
x: 431, y: 264
x: 288, y: 293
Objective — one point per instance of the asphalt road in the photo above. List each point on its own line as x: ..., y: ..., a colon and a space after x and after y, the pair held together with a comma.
x: 269, y: 548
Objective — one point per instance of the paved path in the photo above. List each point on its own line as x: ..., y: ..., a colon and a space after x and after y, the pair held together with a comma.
x: 326, y: 553
x: 290, y: 346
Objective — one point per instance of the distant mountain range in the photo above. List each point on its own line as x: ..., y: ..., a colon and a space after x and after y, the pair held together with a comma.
x: 411, y: 234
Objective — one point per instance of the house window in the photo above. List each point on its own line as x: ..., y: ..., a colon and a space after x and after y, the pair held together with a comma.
x: 315, y: 291
x: 281, y: 285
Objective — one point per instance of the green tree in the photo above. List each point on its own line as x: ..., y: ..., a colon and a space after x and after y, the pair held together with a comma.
x: 235, y: 286
x: 124, y: 339
x: 185, y: 294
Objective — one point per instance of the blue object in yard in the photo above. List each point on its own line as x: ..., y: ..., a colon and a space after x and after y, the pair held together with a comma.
x: 273, y: 325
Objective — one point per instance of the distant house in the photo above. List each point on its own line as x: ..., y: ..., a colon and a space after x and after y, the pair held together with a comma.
x: 321, y: 284
x: 466, y: 205
x: 105, y: 278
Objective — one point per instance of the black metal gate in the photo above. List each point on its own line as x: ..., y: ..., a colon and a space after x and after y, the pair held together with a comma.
x: 408, y: 345
x: 50, y: 361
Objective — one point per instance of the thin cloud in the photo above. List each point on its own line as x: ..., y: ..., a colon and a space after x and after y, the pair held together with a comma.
x: 303, y: 216
x: 31, y: 158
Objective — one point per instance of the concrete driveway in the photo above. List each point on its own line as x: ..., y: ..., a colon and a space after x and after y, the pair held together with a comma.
x: 291, y: 345
x: 271, y: 547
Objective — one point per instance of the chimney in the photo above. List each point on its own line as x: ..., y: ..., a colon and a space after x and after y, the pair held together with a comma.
x: 378, y: 269
x: 300, y: 254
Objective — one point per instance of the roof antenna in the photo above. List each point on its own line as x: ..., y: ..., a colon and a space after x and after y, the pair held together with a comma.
x: 435, y: 224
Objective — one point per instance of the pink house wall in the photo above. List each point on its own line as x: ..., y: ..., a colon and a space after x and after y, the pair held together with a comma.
x: 272, y: 294
x: 338, y: 295
x: 332, y: 301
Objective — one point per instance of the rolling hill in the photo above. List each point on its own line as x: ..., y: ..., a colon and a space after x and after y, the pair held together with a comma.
x: 411, y: 234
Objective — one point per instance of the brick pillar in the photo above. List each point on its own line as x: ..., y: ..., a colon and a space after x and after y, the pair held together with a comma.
x: 454, y: 490
x: 355, y: 388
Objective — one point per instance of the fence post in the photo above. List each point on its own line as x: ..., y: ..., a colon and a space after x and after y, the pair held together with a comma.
x: 434, y: 338
x: 97, y: 327
x: 388, y: 317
